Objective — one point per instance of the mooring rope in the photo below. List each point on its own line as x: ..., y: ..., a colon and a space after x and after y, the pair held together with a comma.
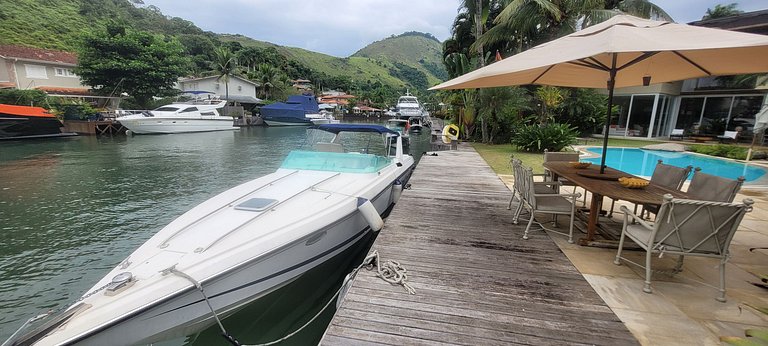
x: 390, y: 271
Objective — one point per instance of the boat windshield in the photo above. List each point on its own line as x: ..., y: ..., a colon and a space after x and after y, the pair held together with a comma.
x: 167, y: 109
x: 335, y: 162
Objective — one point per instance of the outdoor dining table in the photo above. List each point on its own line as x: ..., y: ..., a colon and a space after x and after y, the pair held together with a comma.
x: 607, y: 185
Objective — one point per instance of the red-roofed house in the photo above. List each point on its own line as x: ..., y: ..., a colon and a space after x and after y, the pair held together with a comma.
x: 34, y: 68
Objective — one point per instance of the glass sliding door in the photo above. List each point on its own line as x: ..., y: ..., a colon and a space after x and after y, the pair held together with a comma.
x: 715, y: 116
x: 689, y: 116
x: 640, y: 115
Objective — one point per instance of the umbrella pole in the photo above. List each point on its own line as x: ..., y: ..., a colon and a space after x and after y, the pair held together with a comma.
x: 611, y: 84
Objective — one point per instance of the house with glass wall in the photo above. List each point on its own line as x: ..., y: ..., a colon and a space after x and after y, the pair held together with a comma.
x: 701, y: 107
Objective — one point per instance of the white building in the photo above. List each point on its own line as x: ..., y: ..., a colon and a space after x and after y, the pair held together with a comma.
x: 240, y: 89
x: 704, y: 106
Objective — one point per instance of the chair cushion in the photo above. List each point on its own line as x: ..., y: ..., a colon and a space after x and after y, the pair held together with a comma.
x: 541, y: 189
x: 553, y: 204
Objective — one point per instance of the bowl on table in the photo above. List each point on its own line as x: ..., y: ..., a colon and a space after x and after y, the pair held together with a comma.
x: 577, y: 164
x: 633, y: 183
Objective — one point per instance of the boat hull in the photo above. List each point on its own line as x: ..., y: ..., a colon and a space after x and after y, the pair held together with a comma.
x: 158, y: 125
x: 187, y: 312
x: 19, y: 126
x: 287, y: 121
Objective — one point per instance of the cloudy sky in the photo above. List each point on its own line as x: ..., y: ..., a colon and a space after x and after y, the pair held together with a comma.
x: 341, y: 27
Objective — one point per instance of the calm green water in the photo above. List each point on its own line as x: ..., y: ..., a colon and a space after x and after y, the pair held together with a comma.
x: 71, y: 209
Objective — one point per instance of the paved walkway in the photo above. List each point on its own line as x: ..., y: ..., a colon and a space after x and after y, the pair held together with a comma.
x: 477, y: 282
x: 682, y: 310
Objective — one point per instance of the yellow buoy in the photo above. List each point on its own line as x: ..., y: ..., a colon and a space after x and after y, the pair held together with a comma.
x: 450, y: 133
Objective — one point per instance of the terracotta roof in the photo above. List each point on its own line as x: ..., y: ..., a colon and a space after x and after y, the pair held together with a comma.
x: 64, y: 91
x: 30, y: 53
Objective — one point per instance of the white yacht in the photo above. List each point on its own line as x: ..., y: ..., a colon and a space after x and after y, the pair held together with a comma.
x: 408, y: 106
x: 195, y: 116
x: 242, y: 244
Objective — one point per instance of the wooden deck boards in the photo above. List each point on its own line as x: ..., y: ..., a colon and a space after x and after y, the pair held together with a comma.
x: 477, y: 281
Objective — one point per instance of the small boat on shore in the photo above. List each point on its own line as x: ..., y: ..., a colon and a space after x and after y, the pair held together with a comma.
x: 242, y: 244
x: 21, y: 122
x: 298, y: 110
x: 194, y: 116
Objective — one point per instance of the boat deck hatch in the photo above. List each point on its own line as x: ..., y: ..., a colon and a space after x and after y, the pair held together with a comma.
x: 256, y: 204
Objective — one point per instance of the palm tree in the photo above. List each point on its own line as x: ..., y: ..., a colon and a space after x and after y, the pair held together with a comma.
x: 267, y: 77
x: 531, y: 22
x: 224, y: 64
x: 721, y: 11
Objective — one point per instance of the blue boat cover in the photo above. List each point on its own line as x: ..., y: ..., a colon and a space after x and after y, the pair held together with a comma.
x: 297, y: 106
x: 336, y: 128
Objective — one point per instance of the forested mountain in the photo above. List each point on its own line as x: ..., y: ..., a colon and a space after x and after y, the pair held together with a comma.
x: 411, y: 60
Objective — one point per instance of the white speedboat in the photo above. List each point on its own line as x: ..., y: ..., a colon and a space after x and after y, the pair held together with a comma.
x: 241, y: 244
x: 199, y: 116
x: 324, y: 117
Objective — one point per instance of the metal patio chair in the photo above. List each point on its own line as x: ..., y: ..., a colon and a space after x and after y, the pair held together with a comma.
x: 684, y: 227
x: 550, y: 203
x: 541, y: 187
x: 668, y: 176
x: 562, y: 156
x: 710, y: 187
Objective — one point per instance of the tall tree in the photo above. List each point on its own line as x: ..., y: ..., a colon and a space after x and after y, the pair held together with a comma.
x: 721, y: 11
x: 117, y: 60
x: 224, y: 65
x: 267, y: 77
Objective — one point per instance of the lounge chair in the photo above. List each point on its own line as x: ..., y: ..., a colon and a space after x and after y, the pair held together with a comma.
x: 728, y: 137
x: 709, y: 187
x: 550, y: 203
x: 677, y: 133
x: 685, y: 228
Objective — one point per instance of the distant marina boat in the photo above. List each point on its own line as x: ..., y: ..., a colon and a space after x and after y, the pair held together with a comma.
x: 194, y: 116
x: 408, y: 106
x: 401, y: 126
x: 298, y: 110
x: 242, y: 244
x: 17, y: 122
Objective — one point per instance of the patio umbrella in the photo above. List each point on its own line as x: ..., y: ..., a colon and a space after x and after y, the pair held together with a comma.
x: 625, y: 51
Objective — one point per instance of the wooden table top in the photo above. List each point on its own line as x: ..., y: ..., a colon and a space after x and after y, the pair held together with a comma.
x: 651, y: 194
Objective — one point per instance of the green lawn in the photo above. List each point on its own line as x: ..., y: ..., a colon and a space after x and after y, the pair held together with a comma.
x: 497, y: 156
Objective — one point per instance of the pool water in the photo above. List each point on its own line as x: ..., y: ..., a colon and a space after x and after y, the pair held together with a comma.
x: 642, y: 162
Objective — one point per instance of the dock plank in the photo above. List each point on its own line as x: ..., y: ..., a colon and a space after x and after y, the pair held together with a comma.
x: 477, y: 281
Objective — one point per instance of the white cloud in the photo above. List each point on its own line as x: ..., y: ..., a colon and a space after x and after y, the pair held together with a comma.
x: 341, y: 27
x: 335, y: 27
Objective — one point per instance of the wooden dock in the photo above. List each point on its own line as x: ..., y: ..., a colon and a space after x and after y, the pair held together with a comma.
x: 477, y: 281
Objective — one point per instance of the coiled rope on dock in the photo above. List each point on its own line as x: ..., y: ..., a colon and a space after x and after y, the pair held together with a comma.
x: 390, y: 271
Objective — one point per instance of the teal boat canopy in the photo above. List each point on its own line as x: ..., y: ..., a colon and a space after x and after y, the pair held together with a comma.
x: 335, y: 162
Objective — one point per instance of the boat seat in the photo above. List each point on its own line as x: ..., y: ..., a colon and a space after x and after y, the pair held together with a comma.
x: 329, y: 147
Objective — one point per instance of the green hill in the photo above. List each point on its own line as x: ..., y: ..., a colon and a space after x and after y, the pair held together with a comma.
x: 410, y: 60
x: 422, y: 51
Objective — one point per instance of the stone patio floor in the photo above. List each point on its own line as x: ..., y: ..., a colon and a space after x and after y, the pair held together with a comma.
x: 682, y: 309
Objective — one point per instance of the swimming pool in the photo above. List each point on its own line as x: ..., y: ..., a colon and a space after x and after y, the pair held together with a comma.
x: 642, y: 162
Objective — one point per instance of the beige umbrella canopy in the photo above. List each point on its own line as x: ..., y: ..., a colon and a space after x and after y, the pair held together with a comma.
x: 629, y: 51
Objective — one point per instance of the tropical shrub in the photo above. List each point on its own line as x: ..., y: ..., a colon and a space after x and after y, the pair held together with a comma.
x: 585, y: 110
x: 23, y: 97
x: 537, y: 138
x: 721, y: 150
